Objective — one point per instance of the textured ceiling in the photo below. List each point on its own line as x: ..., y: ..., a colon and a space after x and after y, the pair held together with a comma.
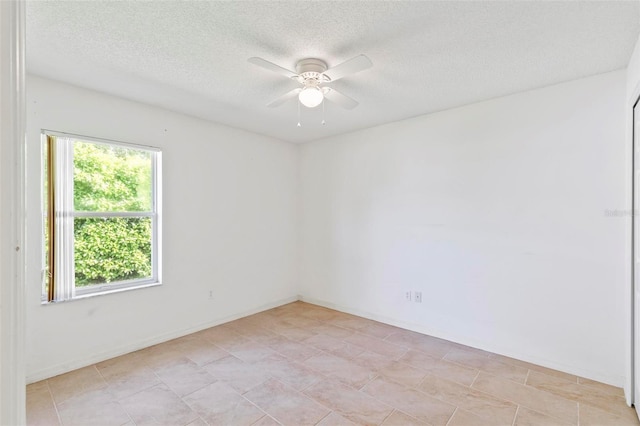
x: 191, y: 57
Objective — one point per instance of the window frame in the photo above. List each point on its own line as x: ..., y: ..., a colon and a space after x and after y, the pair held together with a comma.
x: 155, y: 215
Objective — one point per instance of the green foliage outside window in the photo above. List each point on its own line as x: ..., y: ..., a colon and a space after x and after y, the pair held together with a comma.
x: 111, y: 179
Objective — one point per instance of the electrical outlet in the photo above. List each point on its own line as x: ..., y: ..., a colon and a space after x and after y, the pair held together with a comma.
x: 407, y: 296
x: 210, y: 294
x: 417, y: 296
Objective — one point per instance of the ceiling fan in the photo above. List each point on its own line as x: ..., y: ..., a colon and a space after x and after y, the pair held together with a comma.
x: 313, y: 76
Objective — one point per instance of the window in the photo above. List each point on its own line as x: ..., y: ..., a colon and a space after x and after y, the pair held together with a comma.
x: 101, y: 216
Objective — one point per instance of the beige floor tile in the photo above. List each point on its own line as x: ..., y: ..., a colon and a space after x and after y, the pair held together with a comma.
x: 324, y: 342
x: 398, y: 418
x: 262, y: 319
x: 340, y: 368
x: 589, y: 395
x: 39, y: 396
x: 158, y: 405
x: 528, y: 396
x: 476, y: 402
x: 257, y: 326
x: 161, y: 355
x: 238, y: 374
x: 602, y: 387
x: 332, y: 330
x: 416, y: 404
x: 556, y: 385
x: 318, y: 314
x: 40, y: 417
x: 378, y: 346
x: 129, y: 382
x: 75, y: 382
x: 184, y: 377
x: 285, y: 404
x: 379, y: 330
x: 257, y: 333
x: 433, y: 346
x: 373, y: 361
x: 464, y: 418
x: 351, y: 322
x: 291, y: 328
x: 97, y: 407
x: 335, y: 419
x: 592, y: 416
x: 480, y: 361
x: 469, y: 349
x: 402, y: 373
x: 250, y: 351
x: 267, y: 421
x: 270, y: 340
x: 200, y: 351
x: 121, y: 364
x: 41, y: 409
x: 245, y: 323
x: 219, y: 404
x: 294, y: 350
x: 348, y: 350
x: 223, y: 337
x: 289, y: 372
x: 534, y: 367
x: 296, y: 333
x: 296, y: 322
x: 439, y: 367
x: 310, y: 365
x: 527, y: 417
x: 349, y: 403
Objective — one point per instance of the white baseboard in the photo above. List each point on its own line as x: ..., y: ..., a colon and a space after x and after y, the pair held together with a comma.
x: 56, y: 370
x: 469, y: 341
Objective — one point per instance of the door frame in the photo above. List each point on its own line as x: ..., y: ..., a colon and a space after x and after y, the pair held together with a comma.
x: 632, y: 223
x: 12, y: 210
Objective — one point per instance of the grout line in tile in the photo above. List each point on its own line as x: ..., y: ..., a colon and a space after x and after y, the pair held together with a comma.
x: 526, y: 379
x: 451, y: 349
x: 130, y: 419
x: 252, y: 403
x: 328, y: 414
x: 389, y: 415
x: 475, y: 378
x: 452, y: 414
x: 515, y: 416
x: 524, y: 405
x: 578, y: 413
x: 261, y: 418
x: 55, y: 404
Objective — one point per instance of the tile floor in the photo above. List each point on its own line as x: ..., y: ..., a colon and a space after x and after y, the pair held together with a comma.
x: 301, y: 364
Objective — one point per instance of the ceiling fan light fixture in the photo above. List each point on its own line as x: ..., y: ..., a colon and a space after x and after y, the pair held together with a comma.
x: 311, y: 96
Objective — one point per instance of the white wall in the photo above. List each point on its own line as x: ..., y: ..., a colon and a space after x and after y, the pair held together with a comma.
x: 633, y: 71
x: 230, y: 224
x: 494, y: 211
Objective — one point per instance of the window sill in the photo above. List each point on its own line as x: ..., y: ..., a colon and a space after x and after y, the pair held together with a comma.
x: 104, y: 292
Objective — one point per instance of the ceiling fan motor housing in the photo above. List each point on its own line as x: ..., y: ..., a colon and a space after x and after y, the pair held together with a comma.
x: 310, y: 71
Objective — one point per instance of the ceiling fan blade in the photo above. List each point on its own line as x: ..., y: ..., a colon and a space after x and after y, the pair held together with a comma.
x: 284, y: 98
x: 337, y: 97
x: 272, y: 67
x: 352, y: 66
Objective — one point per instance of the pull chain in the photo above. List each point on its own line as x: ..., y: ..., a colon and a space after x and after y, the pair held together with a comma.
x: 299, y: 125
x: 323, y: 122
